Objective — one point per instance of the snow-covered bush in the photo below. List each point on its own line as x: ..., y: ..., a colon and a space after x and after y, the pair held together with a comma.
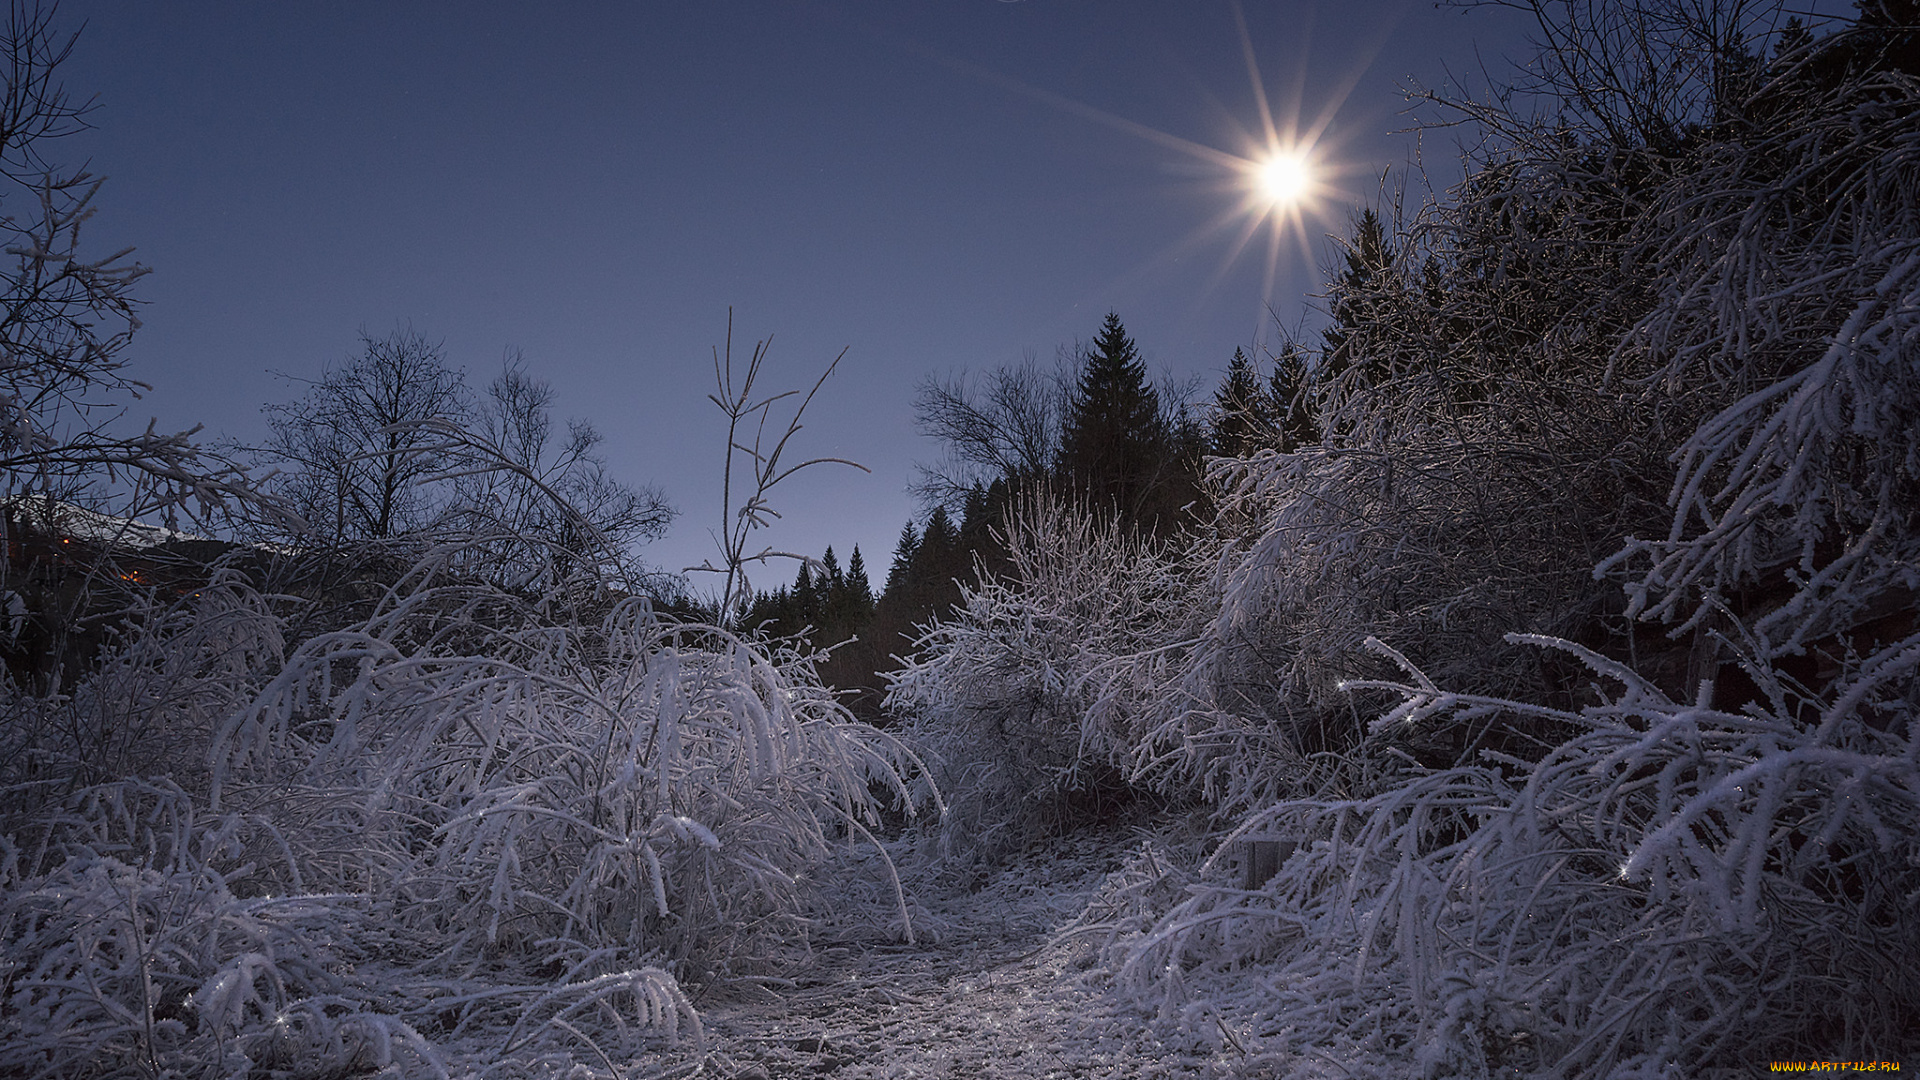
x: 150, y: 948
x: 1673, y: 888
x: 1471, y: 465
x: 1714, y: 861
x: 1788, y: 336
x: 150, y: 704
x: 1442, y: 533
x: 1032, y: 691
x: 457, y: 819
x: 656, y: 786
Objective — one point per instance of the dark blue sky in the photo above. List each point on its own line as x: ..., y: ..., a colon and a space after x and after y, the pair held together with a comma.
x: 595, y: 185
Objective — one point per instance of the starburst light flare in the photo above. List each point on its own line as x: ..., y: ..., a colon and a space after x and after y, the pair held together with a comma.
x: 1283, y: 178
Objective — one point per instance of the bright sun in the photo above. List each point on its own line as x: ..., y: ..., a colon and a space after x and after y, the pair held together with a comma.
x: 1285, y: 175
x: 1283, y: 178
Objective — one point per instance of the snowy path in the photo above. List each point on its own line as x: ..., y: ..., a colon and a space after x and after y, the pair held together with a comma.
x: 990, y: 999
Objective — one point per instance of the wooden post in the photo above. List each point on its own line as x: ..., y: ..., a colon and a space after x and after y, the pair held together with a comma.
x: 1261, y: 859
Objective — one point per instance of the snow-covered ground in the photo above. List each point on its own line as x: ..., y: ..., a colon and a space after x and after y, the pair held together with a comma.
x: 986, y: 993
x: 989, y: 990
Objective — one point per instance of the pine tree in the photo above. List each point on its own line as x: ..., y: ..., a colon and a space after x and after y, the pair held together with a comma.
x: 903, y: 550
x: 830, y: 575
x: 939, y: 564
x: 1356, y: 300
x: 1290, y: 399
x: 974, y: 518
x: 938, y: 542
x: 1113, y: 441
x: 1239, y: 407
x: 806, y: 597
x: 1793, y: 41
x: 859, y: 589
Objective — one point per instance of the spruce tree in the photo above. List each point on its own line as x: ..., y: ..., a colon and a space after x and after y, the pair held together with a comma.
x: 859, y: 589
x: 1239, y: 409
x: 933, y: 557
x: 1289, y: 396
x: 830, y: 572
x: 1356, y: 300
x: 1112, y: 442
x: 973, y: 518
x: 903, y: 550
x: 806, y: 597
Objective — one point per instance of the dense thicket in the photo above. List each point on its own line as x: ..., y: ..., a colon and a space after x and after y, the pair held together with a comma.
x: 1558, y: 603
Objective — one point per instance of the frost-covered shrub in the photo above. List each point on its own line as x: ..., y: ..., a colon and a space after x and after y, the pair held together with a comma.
x: 655, y: 786
x: 162, y: 944
x: 151, y: 948
x: 1469, y: 465
x: 1663, y: 878
x: 1790, y: 263
x: 175, y: 670
x: 1671, y: 889
x: 1443, y: 538
x: 1033, y: 690
x: 457, y: 820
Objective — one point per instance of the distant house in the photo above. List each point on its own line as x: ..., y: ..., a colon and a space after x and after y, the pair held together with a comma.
x: 69, y: 572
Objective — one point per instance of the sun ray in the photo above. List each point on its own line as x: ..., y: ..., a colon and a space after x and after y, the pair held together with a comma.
x: 1285, y: 173
x: 1085, y: 111
x: 1252, y: 224
x: 1189, y: 242
x: 1268, y: 279
x: 1383, y: 29
x: 1253, y: 74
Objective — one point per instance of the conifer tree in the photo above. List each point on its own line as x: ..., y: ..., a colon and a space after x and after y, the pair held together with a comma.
x: 859, y: 589
x: 830, y: 575
x: 938, y: 540
x: 1355, y: 299
x: 973, y: 517
x: 1239, y: 408
x: 1113, y: 440
x: 903, y: 550
x: 1290, y: 402
x: 806, y: 596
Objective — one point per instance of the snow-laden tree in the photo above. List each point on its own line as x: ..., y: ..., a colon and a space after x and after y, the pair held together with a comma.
x: 1787, y: 337
x: 1026, y: 696
x: 69, y: 313
x: 74, y: 475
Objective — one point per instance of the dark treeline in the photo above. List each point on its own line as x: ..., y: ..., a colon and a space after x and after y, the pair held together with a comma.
x: 1096, y: 430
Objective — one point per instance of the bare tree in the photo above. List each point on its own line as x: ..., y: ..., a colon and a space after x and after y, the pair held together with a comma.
x: 67, y: 316
x: 530, y: 503
x: 1005, y: 424
x: 1639, y: 73
x: 360, y: 464
x: 71, y: 482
